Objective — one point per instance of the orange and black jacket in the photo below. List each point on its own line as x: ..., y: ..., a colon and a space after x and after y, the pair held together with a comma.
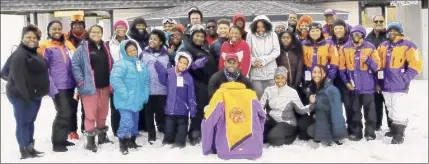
x: 400, y: 62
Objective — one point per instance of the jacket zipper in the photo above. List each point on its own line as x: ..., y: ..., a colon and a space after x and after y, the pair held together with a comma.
x: 290, y: 73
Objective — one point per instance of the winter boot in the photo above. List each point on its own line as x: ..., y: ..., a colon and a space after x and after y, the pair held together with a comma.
x: 356, y: 135
x: 195, y: 137
x: 123, y: 145
x: 68, y: 143
x: 24, y: 153
x: 151, y: 137
x: 90, y: 141
x: 59, y: 148
x: 398, y: 135
x: 132, y: 143
x: 34, y: 151
x: 389, y: 133
x: 102, y: 135
x: 370, y: 134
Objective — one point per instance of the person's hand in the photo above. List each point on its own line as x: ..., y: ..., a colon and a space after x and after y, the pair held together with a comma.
x: 378, y: 89
x: 363, y: 58
x: 76, y: 96
x: 313, y: 99
x: 258, y: 63
x: 350, y: 87
x: 171, y: 50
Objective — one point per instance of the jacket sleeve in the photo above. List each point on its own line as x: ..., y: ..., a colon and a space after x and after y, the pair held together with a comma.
x: 213, y: 85
x: 373, y: 61
x: 6, y: 68
x: 77, y: 65
x: 264, y: 99
x: 146, y: 84
x: 252, y: 56
x: 300, y: 108
x: 222, y: 50
x: 415, y: 62
x: 261, y: 113
x: 299, y: 72
x: 275, y: 52
x: 245, y: 61
x: 191, y: 98
x: 338, y: 124
x: 18, y: 74
x: 212, y: 114
x: 334, y: 62
x: 343, y: 66
x: 162, y: 73
x: 116, y: 79
x: 53, y: 90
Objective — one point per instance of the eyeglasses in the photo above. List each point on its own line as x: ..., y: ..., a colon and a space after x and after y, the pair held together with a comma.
x: 379, y: 22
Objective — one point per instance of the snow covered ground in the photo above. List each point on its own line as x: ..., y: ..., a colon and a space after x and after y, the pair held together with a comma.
x: 414, y: 149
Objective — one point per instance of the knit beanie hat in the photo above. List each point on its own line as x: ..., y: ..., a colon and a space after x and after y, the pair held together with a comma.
x: 120, y: 22
x: 315, y: 25
x: 281, y: 71
x: 339, y: 22
x: 396, y: 26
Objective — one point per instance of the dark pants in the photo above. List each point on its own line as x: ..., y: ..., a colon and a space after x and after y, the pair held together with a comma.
x: 379, y: 106
x: 63, y: 102
x: 202, y: 99
x: 268, y: 125
x: 347, y: 98
x: 155, y: 106
x: 73, y: 117
x: 282, y: 133
x: 176, y: 129
x: 115, y: 117
x: 304, y: 121
x: 25, y: 114
x: 367, y: 102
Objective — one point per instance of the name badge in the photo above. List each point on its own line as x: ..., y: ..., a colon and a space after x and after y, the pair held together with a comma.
x: 179, y: 81
x: 307, y: 76
x: 380, y: 75
x: 138, y: 65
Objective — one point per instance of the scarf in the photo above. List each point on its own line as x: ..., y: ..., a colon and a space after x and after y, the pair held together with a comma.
x: 231, y: 76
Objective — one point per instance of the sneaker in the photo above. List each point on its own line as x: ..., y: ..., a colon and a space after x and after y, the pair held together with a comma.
x: 73, y: 136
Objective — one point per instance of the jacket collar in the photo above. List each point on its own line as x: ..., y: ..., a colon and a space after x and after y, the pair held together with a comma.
x: 233, y: 85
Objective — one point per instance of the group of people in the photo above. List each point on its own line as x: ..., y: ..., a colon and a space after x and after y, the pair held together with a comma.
x: 239, y: 89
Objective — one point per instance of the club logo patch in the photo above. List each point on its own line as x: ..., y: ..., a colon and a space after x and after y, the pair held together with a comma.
x: 237, y: 115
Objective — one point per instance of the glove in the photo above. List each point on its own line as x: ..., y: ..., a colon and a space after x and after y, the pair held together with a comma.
x: 199, y: 63
x: 80, y: 83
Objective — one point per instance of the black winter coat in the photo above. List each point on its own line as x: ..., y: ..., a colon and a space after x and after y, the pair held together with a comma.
x: 294, y: 64
x: 376, y: 41
x: 219, y: 78
x: 28, y: 77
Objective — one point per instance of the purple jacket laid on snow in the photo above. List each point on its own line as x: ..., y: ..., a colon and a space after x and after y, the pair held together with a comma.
x: 180, y: 99
x: 58, y: 56
x: 149, y: 56
x: 360, y: 73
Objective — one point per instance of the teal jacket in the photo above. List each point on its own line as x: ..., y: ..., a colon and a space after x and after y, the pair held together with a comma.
x: 131, y: 85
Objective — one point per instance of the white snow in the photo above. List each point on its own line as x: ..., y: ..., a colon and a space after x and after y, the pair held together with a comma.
x: 414, y: 149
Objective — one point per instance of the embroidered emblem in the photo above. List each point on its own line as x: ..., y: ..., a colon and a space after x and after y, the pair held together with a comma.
x: 237, y: 115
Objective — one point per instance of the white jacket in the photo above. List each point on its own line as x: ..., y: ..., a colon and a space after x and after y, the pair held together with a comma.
x: 265, y: 48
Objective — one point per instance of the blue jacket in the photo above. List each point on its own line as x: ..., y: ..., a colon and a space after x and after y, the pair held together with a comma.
x: 130, y: 84
x: 82, y: 70
x: 149, y: 57
x: 180, y: 100
x: 330, y: 124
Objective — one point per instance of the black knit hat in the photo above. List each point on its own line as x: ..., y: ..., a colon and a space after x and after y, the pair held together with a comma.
x: 315, y: 25
x: 339, y: 22
x: 194, y: 10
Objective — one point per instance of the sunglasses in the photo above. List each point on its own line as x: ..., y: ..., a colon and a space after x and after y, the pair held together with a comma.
x: 379, y: 22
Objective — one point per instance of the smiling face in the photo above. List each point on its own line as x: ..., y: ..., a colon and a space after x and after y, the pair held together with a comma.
x: 304, y: 27
x: 286, y: 40
x: 182, y: 64
x: 240, y: 22
x: 131, y: 51
x: 357, y: 37
x: 318, y: 74
x: 168, y: 27
x: 231, y: 65
x: 120, y: 30
x: 176, y: 36
x: 280, y: 81
x: 329, y: 19
x: 78, y: 26
x: 393, y: 33
x: 141, y: 27
x: 339, y: 31
x: 211, y: 28
x: 260, y: 28
x: 30, y: 39
x: 379, y: 23
x: 56, y: 31
x: 195, y: 18
x: 95, y: 34
x: 279, y: 28
x: 292, y: 19
x: 223, y: 30
x: 198, y: 39
x: 234, y: 35
x: 154, y: 41
x: 315, y: 34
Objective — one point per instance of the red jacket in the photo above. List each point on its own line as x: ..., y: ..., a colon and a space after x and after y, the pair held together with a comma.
x: 242, y: 49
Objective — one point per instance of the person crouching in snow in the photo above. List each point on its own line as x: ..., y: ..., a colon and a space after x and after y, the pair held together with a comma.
x: 131, y: 85
x: 233, y: 123
x: 397, y: 77
x: 362, y: 62
x: 329, y: 125
x: 282, y: 102
x: 180, y: 99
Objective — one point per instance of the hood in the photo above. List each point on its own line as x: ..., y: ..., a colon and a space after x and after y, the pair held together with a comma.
x: 133, y: 32
x: 267, y: 24
x: 124, y: 53
x: 184, y: 54
x: 263, y: 17
x: 238, y: 16
x: 136, y: 21
x: 360, y: 29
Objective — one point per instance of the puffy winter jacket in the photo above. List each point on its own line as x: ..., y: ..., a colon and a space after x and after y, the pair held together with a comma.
x: 114, y: 47
x: 321, y: 53
x: 400, y: 62
x: 359, y: 73
x: 130, y: 82
x: 149, y: 57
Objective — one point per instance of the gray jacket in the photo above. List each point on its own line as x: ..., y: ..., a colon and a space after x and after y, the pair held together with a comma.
x: 283, y: 101
x: 265, y: 48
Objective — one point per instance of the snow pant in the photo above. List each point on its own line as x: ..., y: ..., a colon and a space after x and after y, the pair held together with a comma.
x: 25, y: 115
x: 128, y: 124
x: 202, y: 100
x: 73, y: 117
x: 282, y: 133
x: 115, y: 117
x: 155, y: 106
x: 347, y: 98
x: 176, y: 129
x: 303, y: 123
x: 367, y: 102
x: 142, y: 124
x: 64, y: 104
x: 379, y: 108
x: 397, y: 103
x: 96, y: 109
x: 260, y: 85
